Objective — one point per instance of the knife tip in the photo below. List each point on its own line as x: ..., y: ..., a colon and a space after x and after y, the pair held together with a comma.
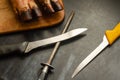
x: 75, y: 72
x: 73, y: 75
x: 82, y: 29
x: 85, y: 29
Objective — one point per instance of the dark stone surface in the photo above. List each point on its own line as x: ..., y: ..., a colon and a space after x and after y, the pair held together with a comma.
x: 97, y: 16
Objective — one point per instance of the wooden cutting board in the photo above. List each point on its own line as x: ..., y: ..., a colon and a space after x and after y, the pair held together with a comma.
x: 9, y: 22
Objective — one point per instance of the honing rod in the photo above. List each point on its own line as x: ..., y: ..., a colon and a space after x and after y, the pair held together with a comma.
x: 47, y: 66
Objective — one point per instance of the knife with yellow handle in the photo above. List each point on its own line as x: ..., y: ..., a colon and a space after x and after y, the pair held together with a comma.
x: 108, y: 39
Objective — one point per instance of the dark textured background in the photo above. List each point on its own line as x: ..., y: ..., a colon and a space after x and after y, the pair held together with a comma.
x: 97, y: 16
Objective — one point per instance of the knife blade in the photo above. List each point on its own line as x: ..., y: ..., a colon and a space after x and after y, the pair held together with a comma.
x: 108, y: 39
x: 26, y: 47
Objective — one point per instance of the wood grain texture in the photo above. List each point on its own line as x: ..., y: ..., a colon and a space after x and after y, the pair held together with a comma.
x: 10, y: 23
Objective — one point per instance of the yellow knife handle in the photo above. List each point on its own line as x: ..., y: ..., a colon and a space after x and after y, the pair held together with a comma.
x: 112, y: 35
